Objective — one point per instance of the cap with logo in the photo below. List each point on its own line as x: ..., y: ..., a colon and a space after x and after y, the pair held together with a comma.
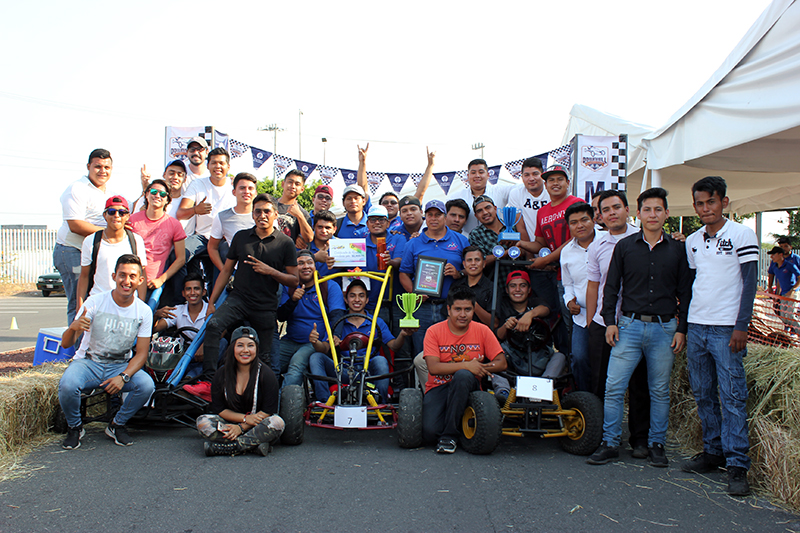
x: 409, y: 200
x: 556, y: 169
x: 435, y: 204
x: 378, y: 211
x: 354, y: 188
x: 481, y: 198
x: 244, y: 331
x: 117, y: 201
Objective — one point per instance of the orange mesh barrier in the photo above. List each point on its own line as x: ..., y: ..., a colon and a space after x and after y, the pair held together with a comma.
x: 776, y: 321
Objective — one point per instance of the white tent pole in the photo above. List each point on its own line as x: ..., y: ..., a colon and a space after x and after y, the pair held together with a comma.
x: 655, y: 178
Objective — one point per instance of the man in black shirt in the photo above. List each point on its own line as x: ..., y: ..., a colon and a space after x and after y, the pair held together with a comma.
x: 656, y: 285
x: 266, y: 259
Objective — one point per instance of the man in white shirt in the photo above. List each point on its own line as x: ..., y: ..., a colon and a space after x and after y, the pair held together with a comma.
x: 529, y: 196
x: 196, y: 154
x: 574, y: 258
x: 238, y: 217
x: 478, y: 185
x: 82, y: 206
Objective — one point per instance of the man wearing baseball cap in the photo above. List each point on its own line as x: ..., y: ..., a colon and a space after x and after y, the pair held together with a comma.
x: 486, y: 235
x: 101, y: 250
x: 196, y: 154
x: 322, y: 200
x: 354, y: 223
x: 410, y: 217
x: 439, y: 241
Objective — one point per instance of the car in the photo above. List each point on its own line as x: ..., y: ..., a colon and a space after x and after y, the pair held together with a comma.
x: 49, y: 283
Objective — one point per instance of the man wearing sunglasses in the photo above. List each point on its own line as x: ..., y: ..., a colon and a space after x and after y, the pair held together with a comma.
x: 101, y: 250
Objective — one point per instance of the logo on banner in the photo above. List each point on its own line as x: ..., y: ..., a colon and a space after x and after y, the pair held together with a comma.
x: 374, y: 180
x: 177, y: 147
x: 515, y: 168
x: 282, y: 164
x: 259, y: 156
x: 305, y: 167
x: 444, y: 179
x: 350, y: 177
x: 327, y: 173
x: 494, y: 174
x: 397, y: 181
x: 594, y: 157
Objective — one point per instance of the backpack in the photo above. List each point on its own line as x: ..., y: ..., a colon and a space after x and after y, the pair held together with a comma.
x: 96, y: 248
x: 339, y: 224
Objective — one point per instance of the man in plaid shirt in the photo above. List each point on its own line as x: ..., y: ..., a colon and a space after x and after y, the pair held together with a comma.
x: 487, y: 235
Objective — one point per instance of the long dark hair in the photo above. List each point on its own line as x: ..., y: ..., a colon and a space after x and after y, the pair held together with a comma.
x: 229, y: 369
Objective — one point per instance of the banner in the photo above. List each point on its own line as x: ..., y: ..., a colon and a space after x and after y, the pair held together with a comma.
x: 282, y: 164
x: 259, y: 156
x: 397, y: 181
x: 416, y: 177
x: 236, y: 148
x: 445, y: 180
x: 178, y: 137
x: 494, y: 174
x: 600, y: 164
x: 374, y: 180
x: 515, y: 168
x: 350, y: 177
x: 561, y: 156
x: 327, y: 173
x: 304, y: 167
x: 220, y: 140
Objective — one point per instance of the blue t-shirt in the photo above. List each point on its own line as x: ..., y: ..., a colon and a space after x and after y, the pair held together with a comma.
x: 349, y: 230
x: 307, y: 313
x: 448, y: 248
x: 395, y: 244
x: 793, y: 258
x: 345, y: 328
x: 786, y: 275
x: 395, y: 223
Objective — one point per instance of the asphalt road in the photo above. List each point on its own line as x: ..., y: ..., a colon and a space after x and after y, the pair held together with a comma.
x: 32, y: 312
x: 362, y: 481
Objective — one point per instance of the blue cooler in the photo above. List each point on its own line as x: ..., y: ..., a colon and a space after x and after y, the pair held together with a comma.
x: 48, y: 346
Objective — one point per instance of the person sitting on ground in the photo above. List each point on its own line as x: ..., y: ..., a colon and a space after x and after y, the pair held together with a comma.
x: 321, y: 364
x: 517, y: 310
x: 244, y: 396
x: 111, y: 323
x: 301, y: 311
x: 191, y: 314
x: 459, y: 353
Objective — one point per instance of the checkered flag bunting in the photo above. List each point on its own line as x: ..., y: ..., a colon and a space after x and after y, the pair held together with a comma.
x: 515, y: 168
x: 415, y: 177
x: 236, y: 148
x: 462, y: 175
x: 327, y: 173
x: 374, y: 179
x: 561, y: 156
x: 282, y: 164
x: 619, y: 161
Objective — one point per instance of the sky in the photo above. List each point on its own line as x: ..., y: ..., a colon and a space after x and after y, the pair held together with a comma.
x: 401, y: 76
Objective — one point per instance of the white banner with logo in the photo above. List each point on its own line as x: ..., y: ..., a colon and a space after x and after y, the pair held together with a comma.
x: 177, y: 138
x: 599, y: 165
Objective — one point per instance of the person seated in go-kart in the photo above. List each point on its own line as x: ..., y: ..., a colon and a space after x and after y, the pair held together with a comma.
x: 321, y: 364
x: 518, y: 308
x: 459, y: 353
x: 244, y: 396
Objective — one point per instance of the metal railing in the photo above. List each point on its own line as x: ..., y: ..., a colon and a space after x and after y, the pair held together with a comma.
x: 26, y: 254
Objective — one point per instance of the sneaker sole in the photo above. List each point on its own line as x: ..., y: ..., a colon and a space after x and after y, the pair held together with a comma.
x: 658, y: 465
x: 114, y: 437
x: 83, y: 434
x: 603, y: 462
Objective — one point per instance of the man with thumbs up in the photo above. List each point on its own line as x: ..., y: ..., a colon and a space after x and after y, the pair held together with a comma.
x: 111, y: 323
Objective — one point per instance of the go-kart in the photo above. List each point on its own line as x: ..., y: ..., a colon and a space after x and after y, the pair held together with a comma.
x: 353, y: 401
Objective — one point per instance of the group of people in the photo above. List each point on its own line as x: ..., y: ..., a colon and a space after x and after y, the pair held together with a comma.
x: 620, y: 300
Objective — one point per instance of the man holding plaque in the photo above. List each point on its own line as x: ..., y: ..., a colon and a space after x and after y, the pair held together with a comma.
x: 492, y: 232
x: 430, y: 264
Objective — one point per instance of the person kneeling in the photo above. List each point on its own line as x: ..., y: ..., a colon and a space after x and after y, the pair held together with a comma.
x: 243, y: 394
x: 456, y: 351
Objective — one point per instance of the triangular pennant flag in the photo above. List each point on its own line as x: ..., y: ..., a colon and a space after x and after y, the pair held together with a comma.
x: 397, y: 181
x: 515, y: 168
x: 220, y: 140
x: 305, y: 168
x: 236, y: 148
x: 462, y: 175
x: 445, y: 180
x: 415, y: 177
x: 327, y: 173
x: 350, y: 177
x: 259, y: 156
x: 561, y: 156
x: 282, y: 164
x: 374, y: 180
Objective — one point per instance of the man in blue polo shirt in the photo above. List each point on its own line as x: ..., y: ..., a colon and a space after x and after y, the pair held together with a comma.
x: 301, y: 311
x: 437, y: 240
x: 378, y: 222
x: 354, y: 223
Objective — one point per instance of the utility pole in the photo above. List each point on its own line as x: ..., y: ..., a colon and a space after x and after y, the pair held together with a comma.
x: 274, y: 129
x: 300, y: 134
x: 324, y: 145
x: 479, y: 146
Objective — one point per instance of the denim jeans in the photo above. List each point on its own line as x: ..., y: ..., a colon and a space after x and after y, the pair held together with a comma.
x: 85, y: 374
x: 720, y: 390
x: 294, y: 357
x: 67, y: 261
x: 321, y: 365
x: 580, y: 358
x: 638, y: 339
x: 444, y: 405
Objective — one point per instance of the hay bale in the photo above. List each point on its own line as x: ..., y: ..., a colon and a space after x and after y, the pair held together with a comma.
x: 684, y: 423
x: 776, y: 461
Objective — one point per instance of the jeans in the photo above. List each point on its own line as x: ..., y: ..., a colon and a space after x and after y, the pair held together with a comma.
x: 268, y: 430
x: 294, y: 357
x: 67, y: 261
x: 580, y: 358
x: 321, y: 365
x: 444, y: 405
x: 428, y: 314
x: 720, y: 390
x: 85, y: 374
x: 638, y: 339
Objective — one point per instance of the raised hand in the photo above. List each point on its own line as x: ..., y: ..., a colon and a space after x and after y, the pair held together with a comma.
x: 82, y: 323
x: 297, y: 294
x: 203, y: 208
x: 145, y: 177
x: 314, y: 335
x: 362, y: 153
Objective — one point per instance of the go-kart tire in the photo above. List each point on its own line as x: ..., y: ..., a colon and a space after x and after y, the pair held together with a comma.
x: 45, y: 293
x: 59, y: 420
x: 409, y: 419
x: 482, y: 424
x: 293, y: 406
x: 589, y: 423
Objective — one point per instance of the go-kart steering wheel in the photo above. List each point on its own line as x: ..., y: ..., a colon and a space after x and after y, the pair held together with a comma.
x: 182, y: 332
x: 537, y: 336
x: 359, y: 339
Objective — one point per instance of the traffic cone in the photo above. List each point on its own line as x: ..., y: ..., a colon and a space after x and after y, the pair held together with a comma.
x: 14, y: 323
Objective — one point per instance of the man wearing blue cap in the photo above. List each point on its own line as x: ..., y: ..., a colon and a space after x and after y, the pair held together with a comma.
x: 437, y: 240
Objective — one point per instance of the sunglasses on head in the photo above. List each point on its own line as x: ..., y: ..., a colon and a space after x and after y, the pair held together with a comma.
x: 117, y: 211
x: 158, y: 192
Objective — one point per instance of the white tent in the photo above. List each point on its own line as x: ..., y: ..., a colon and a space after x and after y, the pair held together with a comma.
x: 743, y: 124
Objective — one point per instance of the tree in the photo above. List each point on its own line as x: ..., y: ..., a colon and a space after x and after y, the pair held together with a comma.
x: 306, y: 199
x: 793, y: 228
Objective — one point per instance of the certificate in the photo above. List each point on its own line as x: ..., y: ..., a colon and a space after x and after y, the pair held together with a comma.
x: 348, y: 252
x: 429, y: 276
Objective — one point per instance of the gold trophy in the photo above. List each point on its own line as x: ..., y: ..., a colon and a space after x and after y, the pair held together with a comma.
x: 408, y: 302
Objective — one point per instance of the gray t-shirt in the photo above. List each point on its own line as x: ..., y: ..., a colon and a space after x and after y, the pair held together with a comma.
x: 114, y: 329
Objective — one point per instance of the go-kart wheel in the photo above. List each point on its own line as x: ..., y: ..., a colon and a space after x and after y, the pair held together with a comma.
x: 586, y: 427
x: 409, y: 419
x: 482, y: 424
x: 59, y: 420
x: 293, y: 406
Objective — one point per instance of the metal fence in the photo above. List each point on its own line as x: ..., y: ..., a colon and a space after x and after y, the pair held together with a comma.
x: 26, y: 254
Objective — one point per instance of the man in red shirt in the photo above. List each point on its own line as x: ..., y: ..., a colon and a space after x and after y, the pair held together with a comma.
x: 459, y: 352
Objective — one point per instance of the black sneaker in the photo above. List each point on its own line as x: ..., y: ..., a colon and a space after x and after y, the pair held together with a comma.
x: 119, y: 434
x: 265, y: 448
x: 603, y: 454
x: 446, y: 446
x: 703, y: 462
x: 657, y: 455
x: 737, y: 481
x: 73, y: 439
x: 640, y: 451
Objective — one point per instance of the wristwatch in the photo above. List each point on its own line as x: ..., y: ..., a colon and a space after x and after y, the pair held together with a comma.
x: 125, y: 377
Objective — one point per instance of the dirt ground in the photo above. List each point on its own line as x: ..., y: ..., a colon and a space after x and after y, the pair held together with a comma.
x: 16, y: 360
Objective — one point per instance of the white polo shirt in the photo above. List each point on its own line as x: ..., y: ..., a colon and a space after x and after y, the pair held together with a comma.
x: 717, y: 260
x: 574, y: 259
x: 528, y: 204
x: 600, y: 252
x: 498, y: 192
x: 183, y: 319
